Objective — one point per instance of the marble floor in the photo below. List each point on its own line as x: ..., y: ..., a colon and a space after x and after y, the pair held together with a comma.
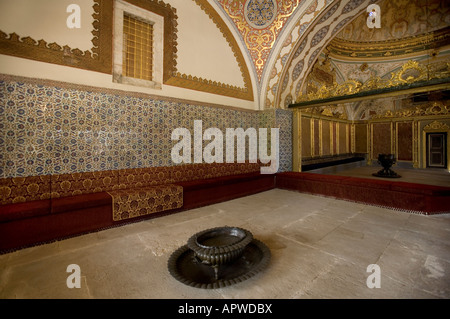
x: 320, y: 248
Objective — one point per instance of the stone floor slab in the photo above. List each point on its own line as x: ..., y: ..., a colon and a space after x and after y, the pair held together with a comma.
x: 320, y: 248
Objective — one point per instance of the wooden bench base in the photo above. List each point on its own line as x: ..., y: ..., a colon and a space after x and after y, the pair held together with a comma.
x: 419, y: 198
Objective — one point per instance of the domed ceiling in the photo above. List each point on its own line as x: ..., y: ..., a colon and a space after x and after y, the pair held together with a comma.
x: 399, y: 19
x: 296, y: 47
x: 413, y: 33
x: 407, y: 27
x: 274, y: 33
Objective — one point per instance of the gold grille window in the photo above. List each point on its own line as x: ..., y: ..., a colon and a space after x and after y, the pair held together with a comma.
x: 138, y: 48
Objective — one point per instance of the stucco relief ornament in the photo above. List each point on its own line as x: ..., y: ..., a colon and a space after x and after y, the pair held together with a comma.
x: 260, y: 13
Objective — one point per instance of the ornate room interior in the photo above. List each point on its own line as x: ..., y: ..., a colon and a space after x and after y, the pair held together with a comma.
x: 408, y: 49
x: 93, y: 91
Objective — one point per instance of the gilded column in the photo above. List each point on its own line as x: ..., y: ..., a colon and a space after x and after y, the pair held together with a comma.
x: 331, y: 138
x: 311, y: 121
x: 320, y: 138
x: 347, y: 140
x: 415, y: 150
x: 352, y: 138
x: 393, y: 140
x: 297, y: 141
x: 369, y: 143
x: 337, y: 138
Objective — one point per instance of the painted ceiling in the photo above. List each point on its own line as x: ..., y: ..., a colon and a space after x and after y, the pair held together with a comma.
x: 404, y: 24
x: 286, y: 40
x: 400, y: 19
x: 411, y: 30
x: 259, y: 23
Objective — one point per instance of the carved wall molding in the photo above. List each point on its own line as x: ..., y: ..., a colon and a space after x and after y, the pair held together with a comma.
x: 436, y: 126
x: 200, y: 84
x: 428, y: 109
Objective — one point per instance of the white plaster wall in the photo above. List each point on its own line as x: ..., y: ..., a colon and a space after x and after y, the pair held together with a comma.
x: 202, y: 49
x: 202, y: 52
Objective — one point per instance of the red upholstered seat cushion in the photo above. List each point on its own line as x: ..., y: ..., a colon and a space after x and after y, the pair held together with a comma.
x: 16, y: 211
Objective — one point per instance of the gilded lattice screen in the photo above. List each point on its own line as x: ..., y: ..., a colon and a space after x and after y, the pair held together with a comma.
x: 138, y: 48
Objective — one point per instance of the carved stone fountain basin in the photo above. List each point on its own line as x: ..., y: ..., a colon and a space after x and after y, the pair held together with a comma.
x: 218, y: 257
x: 221, y: 245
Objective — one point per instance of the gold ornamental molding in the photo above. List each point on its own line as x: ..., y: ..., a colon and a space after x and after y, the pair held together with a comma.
x: 271, y: 15
x: 102, y: 43
x: 379, y: 50
x: 428, y: 109
x: 328, y: 112
x: 436, y: 126
x: 100, y: 59
x: 200, y: 84
x: 411, y: 78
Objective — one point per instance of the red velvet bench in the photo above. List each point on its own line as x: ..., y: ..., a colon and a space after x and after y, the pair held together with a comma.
x: 41, y: 209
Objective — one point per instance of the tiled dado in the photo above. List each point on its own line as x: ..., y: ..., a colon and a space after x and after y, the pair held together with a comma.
x: 284, y: 122
x: 46, y: 128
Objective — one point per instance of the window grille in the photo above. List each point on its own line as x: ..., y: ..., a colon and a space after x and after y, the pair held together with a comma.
x: 137, y: 48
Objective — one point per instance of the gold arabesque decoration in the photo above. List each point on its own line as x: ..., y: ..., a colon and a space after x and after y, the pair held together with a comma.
x: 436, y: 126
x: 259, y: 42
x: 428, y: 109
x: 410, y: 72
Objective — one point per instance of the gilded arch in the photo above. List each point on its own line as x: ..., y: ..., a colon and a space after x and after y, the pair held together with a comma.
x: 308, y: 47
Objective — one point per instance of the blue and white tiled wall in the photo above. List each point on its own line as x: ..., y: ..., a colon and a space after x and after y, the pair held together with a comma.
x: 56, y: 128
x: 283, y: 120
